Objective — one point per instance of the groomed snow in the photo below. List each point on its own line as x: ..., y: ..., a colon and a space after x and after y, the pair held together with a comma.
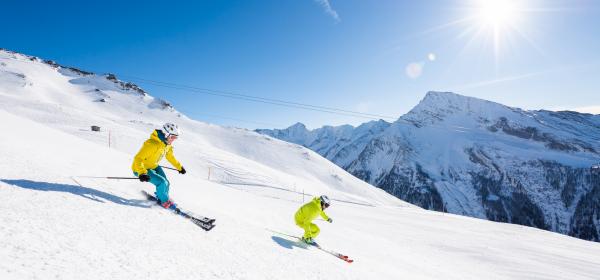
x: 55, y: 225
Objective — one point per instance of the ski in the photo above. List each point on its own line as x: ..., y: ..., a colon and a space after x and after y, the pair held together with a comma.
x: 335, y: 254
x: 203, y: 222
x: 316, y: 245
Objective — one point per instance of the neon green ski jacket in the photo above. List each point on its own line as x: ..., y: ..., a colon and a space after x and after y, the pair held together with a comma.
x: 310, y: 211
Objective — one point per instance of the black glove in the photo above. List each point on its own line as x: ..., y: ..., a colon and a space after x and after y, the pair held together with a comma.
x: 330, y: 220
x: 182, y: 171
x: 144, y: 178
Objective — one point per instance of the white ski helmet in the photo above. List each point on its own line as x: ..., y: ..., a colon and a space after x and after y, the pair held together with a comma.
x: 170, y: 129
x: 325, y: 200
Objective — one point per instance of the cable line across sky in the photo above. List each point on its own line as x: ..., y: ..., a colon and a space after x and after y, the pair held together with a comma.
x: 250, y: 98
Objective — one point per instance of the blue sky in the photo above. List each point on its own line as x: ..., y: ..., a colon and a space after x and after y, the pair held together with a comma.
x: 377, y: 57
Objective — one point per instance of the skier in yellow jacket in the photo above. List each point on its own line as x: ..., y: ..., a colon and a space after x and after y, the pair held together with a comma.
x: 145, y: 164
x: 307, y: 213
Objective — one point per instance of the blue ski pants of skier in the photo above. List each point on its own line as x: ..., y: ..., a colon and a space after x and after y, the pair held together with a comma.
x: 159, y: 179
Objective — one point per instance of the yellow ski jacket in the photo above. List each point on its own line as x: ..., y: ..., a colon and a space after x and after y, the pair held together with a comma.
x: 310, y: 211
x: 152, y: 152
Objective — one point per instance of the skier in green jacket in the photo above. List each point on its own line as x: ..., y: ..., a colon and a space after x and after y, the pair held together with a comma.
x: 307, y: 213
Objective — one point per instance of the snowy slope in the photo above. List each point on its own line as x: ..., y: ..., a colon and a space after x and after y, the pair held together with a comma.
x: 482, y: 159
x: 68, y: 100
x: 57, y: 225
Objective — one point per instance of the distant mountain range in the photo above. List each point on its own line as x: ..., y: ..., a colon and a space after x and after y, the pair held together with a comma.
x: 478, y: 158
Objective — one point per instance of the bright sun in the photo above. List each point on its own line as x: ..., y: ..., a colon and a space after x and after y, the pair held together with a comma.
x: 496, y: 13
x: 496, y: 26
x: 498, y: 20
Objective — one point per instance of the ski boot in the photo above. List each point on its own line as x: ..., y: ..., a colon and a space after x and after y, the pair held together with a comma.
x: 308, y: 240
x: 169, y: 204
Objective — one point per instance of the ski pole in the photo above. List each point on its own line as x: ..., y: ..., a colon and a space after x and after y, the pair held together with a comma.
x: 168, y: 167
x: 102, y: 177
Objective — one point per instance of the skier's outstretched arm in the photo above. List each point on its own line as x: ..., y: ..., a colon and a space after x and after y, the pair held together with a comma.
x: 324, y: 216
x: 171, y: 158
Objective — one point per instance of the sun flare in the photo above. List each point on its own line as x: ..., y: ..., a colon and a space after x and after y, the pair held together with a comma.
x: 498, y: 22
x: 496, y: 13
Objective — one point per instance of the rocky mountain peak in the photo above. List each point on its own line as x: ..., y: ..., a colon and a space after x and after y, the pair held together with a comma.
x: 441, y: 106
x: 297, y: 126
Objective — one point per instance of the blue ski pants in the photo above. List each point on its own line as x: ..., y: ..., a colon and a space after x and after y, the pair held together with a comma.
x: 159, y: 179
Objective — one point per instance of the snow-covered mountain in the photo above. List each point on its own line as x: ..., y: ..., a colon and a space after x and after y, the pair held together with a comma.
x: 57, y: 223
x: 340, y: 144
x: 478, y: 158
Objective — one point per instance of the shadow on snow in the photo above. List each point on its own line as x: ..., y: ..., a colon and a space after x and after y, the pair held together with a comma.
x: 88, y: 193
x: 288, y: 244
